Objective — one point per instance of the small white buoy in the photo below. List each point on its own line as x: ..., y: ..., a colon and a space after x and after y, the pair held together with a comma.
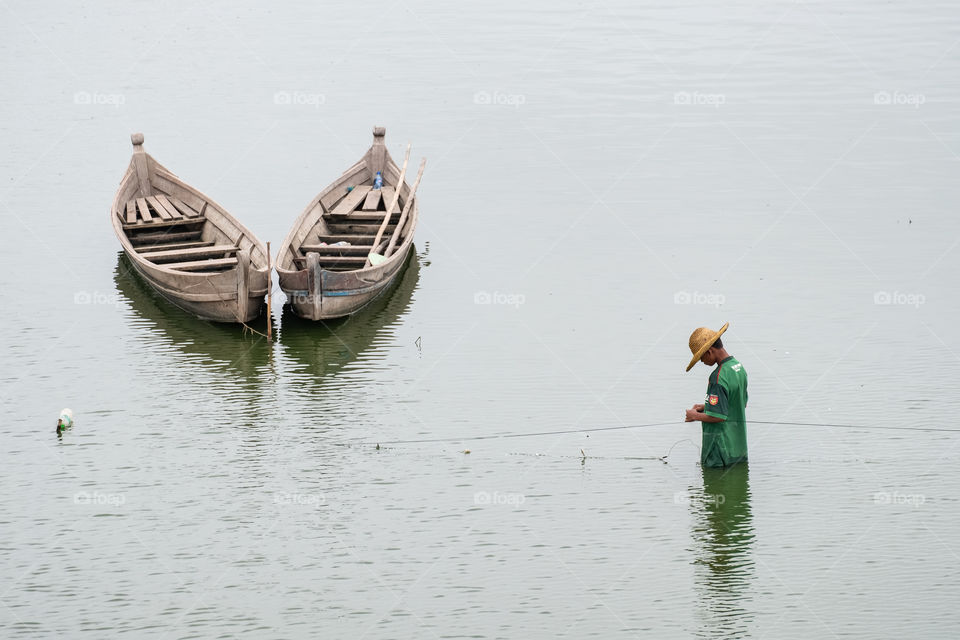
x: 65, y: 421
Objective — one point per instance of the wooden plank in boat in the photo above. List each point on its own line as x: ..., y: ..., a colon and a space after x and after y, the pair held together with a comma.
x: 170, y: 246
x: 161, y: 224
x: 144, y: 239
x: 352, y: 239
x: 144, y: 210
x: 352, y: 199
x: 201, y: 265
x: 196, y: 252
x: 172, y: 189
x: 372, y: 200
x: 354, y: 175
x: 388, y: 193
x: 172, y: 210
x: 363, y: 216
x: 131, y: 212
x: 358, y: 228
x: 184, y: 208
x: 358, y: 261
x: 358, y: 249
x: 158, y: 208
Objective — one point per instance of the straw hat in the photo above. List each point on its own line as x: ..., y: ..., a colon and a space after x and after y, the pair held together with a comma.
x: 701, y: 340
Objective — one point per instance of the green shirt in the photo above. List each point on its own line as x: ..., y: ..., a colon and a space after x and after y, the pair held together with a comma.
x: 725, y: 443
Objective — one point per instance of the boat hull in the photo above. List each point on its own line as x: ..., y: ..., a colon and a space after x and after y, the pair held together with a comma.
x: 218, y: 301
x: 338, y: 229
x: 325, y: 295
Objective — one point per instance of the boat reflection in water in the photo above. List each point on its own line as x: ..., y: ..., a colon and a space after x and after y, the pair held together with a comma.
x: 324, y: 348
x: 722, y: 541
x: 227, y: 347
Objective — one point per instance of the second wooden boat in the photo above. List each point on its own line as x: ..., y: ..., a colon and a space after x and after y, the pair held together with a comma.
x: 185, y: 245
x: 345, y: 248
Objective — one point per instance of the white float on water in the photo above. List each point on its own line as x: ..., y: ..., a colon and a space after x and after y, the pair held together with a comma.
x: 66, y: 418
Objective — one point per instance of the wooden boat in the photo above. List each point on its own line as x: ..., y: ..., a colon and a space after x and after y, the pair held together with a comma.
x: 345, y: 248
x: 185, y: 245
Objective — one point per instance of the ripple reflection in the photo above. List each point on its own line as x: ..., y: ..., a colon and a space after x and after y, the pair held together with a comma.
x: 325, y: 348
x: 160, y: 323
x: 723, y: 539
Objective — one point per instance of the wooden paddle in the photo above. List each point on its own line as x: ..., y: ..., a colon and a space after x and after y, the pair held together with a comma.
x: 406, y: 209
x: 393, y: 203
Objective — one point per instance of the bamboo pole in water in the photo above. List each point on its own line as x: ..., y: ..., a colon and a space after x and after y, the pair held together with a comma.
x: 269, y: 297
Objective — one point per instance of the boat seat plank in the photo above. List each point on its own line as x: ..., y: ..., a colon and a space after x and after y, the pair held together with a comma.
x: 362, y: 249
x: 339, y: 260
x: 146, y: 239
x: 352, y: 199
x: 372, y: 200
x: 362, y: 216
x: 352, y: 228
x: 388, y: 193
x: 160, y: 224
x: 168, y: 185
x: 158, y: 208
x: 172, y: 210
x: 170, y: 246
x: 196, y: 252
x: 184, y: 208
x: 352, y: 239
x: 144, y: 210
x: 202, y: 265
x: 131, y: 212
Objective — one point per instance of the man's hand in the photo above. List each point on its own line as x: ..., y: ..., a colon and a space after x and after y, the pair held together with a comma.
x: 692, y: 413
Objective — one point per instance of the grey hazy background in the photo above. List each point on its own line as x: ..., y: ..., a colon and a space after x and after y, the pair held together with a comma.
x: 608, y: 176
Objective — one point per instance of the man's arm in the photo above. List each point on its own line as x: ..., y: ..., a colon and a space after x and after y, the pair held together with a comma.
x: 695, y: 415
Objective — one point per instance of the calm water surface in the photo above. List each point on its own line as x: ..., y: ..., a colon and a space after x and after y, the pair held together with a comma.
x: 602, y: 179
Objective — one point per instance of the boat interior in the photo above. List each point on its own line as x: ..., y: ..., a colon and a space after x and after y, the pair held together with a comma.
x: 173, y: 234
x: 344, y: 233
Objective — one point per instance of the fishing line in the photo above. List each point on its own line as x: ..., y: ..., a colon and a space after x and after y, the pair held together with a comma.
x: 850, y: 426
x: 528, y: 435
x: 642, y: 426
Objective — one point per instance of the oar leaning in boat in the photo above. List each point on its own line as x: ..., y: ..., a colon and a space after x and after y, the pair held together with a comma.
x: 373, y: 255
x: 386, y: 218
x: 406, y: 209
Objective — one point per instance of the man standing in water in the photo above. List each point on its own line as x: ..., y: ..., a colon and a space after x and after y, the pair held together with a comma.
x: 723, y: 412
